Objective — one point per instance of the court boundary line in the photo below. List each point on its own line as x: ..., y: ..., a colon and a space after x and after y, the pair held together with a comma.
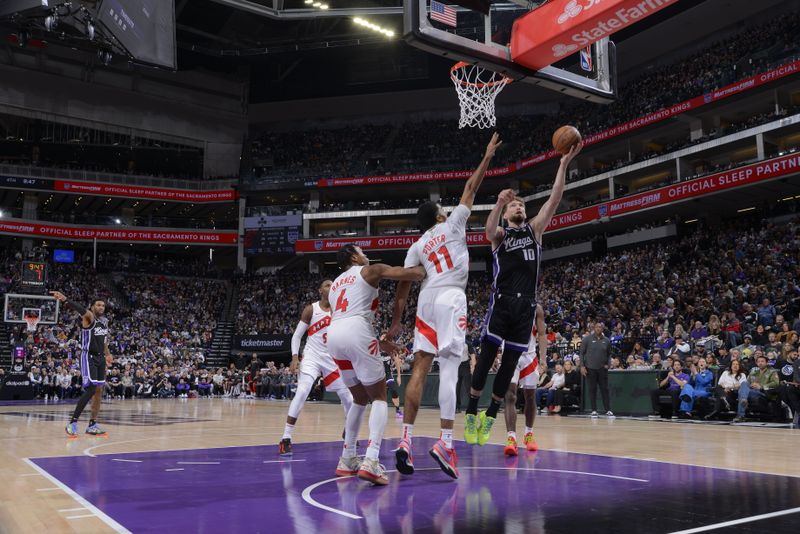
x: 105, y: 518
x: 733, y: 522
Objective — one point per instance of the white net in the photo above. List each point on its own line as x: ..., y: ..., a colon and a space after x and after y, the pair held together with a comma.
x: 32, y: 321
x: 477, y: 88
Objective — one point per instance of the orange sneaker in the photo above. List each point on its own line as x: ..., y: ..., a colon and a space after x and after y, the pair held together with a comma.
x: 530, y: 442
x: 511, y: 446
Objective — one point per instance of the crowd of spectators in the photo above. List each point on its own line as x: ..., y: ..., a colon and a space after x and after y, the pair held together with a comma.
x: 439, y: 145
x: 717, y: 294
x: 721, y: 292
x: 161, y: 331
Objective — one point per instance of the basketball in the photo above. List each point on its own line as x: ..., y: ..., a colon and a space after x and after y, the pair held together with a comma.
x: 565, y: 138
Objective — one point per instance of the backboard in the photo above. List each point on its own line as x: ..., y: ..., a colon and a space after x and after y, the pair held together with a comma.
x: 588, y: 74
x: 17, y: 305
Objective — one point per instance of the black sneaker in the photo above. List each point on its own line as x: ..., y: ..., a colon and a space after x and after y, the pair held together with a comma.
x: 285, y: 447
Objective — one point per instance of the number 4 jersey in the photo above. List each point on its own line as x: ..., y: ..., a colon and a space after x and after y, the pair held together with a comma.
x: 352, y: 296
x: 442, y: 250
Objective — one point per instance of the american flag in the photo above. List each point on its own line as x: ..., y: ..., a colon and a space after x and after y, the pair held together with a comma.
x: 442, y: 13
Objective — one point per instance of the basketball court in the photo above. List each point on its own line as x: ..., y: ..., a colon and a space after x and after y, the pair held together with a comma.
x: 212, y: 465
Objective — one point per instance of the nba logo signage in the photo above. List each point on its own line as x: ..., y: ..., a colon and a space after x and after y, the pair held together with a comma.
x: 586, y: 59
x: 319, y: 245
x: 602, y: 210
x: 708, y: 97
x: 67, y: 186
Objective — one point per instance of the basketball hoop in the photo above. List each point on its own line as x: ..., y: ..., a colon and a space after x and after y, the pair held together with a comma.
x: 477, y: 88
x: 32, y: 321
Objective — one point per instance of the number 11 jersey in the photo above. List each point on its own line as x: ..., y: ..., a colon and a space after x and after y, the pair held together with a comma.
x: 442, y: 251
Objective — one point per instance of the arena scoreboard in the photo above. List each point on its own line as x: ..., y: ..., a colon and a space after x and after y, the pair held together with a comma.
x: 33, y: 277
x: 272, y: 234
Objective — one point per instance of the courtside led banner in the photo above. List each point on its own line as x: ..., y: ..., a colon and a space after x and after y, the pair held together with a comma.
x: 148, y: 193
x: 560, y: 28
x: 713, y: 183
x: 18, y: 227
x: 626, y: 127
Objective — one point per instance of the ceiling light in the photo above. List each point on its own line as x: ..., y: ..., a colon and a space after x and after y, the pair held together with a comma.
x: 324, y: 6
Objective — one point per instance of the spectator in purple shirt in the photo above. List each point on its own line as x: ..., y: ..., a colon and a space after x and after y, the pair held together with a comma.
x: 699, y: 331
x: 670, y: 383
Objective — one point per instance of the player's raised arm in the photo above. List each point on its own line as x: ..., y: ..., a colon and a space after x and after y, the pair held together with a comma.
x: 542, y: 219
x: 494, y: 232
x: 297, y: 337
x: 86, y: 315
x: 475, y: 181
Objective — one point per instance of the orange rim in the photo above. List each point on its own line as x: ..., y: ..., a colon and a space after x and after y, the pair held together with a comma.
x: 463, y: 64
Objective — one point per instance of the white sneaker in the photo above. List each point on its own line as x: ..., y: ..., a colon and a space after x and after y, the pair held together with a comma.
x: 610, y: 415
x: 372, y: 471
x: 594, y: 414
x: 347, y: 466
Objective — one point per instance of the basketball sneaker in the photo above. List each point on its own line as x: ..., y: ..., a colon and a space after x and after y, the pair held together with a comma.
x: 446, y: 458
x: 405, y: 461
x: 285, y: 447
x: 72, y: 429
x: 347, y: 466
x: 471, y: 429
x: 372, y: 471
x: 511, y: 446
x: 95, y: 430
x: 485, y: 428
x: 530, y: 442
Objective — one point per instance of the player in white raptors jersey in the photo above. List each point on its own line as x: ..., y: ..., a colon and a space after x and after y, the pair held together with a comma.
x: 357, y: 353
x: 441, y: 321
x: 316, y: 363
x: 527, y: 376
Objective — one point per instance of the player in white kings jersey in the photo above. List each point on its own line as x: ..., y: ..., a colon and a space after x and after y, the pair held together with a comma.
x: 527, y: 376
x: 357, y: 353
x: 441, y: 321
x: 317, y: 362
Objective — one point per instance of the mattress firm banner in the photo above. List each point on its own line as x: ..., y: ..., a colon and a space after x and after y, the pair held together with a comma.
x: 626, y: 127
x: 713, y: 183
x: 263, y: 343
x: 395, y: 242
x: 125, y: 235
x: 148, y: 193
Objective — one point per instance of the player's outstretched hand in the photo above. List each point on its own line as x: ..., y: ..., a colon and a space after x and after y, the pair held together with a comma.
x: 109, y: 360
x: 294, y: 365
x: 58, y: 295
x: 569, y: 156
x: 493, y: 145
x: 505, y: 196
